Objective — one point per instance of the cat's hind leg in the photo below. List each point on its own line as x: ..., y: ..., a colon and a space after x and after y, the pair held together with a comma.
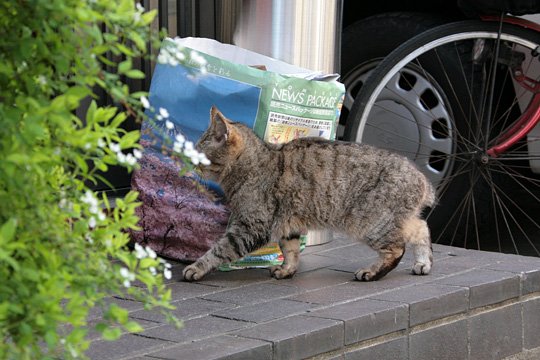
x: 416, y: 233
x: 290, y: 247
x: 389, y: 257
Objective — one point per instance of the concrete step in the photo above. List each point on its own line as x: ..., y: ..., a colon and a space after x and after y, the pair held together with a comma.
x: 474, y: 305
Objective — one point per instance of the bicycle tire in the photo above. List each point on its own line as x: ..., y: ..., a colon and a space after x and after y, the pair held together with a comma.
x: 477, y: 201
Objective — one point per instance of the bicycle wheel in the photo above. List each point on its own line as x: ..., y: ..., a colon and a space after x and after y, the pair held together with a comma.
x: 444, y: 99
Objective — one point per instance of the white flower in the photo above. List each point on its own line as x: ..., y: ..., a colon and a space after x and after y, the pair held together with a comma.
x: 115, y: 147
x: 169, y: 125
x: 42, y: 80
x: 188, y: 146
x: 136, y: 17
x: 89, y: 238
x: 139, y: 7
x: 177, y: 147
x: 173, y: 61
x: 203, y: 159
x: 128, y: 276
x: 180, y: 56
x: 151, y: 253
x: 124, y: 272
x: 167, y: 274
x: 166, y: 264
x: 130, y: 159
x: 63, y: 204
x: 145, y: 103
x: 163, y: 112
x: 137, y: 153
x: 153, y: 270
x: 163, y: 58
x: 159, y: 117
x: 121, y: 157
x: 92, y: 222
x: 140, y: 253
x: 101, y: 216
x: 196, y: 57
x: 89, y: 198
x: 101, y: 143
x: 180, y: 138
x: 94, y: 209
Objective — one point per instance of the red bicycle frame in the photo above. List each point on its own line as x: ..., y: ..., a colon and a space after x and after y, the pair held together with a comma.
x: 531, y: 117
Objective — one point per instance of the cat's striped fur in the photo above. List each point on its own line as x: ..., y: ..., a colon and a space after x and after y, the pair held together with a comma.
x: 276, y: 192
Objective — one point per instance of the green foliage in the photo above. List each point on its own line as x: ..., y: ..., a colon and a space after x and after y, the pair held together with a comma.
x: 62, y: 247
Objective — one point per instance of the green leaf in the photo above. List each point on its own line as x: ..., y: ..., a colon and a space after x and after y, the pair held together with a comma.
x: 7, y: 231
x: 149, y: 16
x: 135, y: 74
x: 111, y: 334
x: 125, y: 50
x: 124, y: 66
x: 138, y: 40
x: 129, y: 139
x: 90, y: 113
x: 117, y: 313
x: 133, y: 327
x: 18, y: 158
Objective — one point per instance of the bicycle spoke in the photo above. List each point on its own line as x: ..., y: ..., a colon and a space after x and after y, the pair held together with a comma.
x: 517, y: 223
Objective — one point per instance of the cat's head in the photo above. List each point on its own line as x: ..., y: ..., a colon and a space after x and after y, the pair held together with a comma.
x: 222, y: 143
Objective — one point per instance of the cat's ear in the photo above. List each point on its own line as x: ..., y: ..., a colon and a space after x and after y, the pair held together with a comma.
x: 220, y: 125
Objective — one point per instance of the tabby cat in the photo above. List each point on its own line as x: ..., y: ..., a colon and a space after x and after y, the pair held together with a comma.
x: 277, y: 192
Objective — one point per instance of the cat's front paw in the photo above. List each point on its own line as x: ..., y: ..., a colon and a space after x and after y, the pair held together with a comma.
x: 193, y: 272
x: 282, y: 272
x: 419, y: 268
x: 364, y: 275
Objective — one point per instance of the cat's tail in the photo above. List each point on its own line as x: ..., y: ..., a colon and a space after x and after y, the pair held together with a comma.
x: 429, y: 199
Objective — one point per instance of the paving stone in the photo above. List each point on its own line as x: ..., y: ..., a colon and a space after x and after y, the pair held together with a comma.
x: 266, y: 311
x: 445, y: 342
x: 351, y: 266
x: 403, y: 277
x: 337, y: 241
x: 236, y: 278
x: 531, y: 324
x: 339, y: 293
x: 298, y: 337
x: 310, y: 262
x: 453, y: 265
x: 486, y: 286
x: 254, y: 293
x: 97, y: 311
x: 220, y: 347
x: 366, y: 319
x: 496, y: 334
x: 530, y: 282
x: 185, y: 310
x: 353, y: 252
x: 527, y: 267
x: 93, y: 334
x: 195, y: 329
x: 395, y: 349
x: 429, y: 302
x: 127, y: 345
x: 183, y: 290
x: 317, y: 279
